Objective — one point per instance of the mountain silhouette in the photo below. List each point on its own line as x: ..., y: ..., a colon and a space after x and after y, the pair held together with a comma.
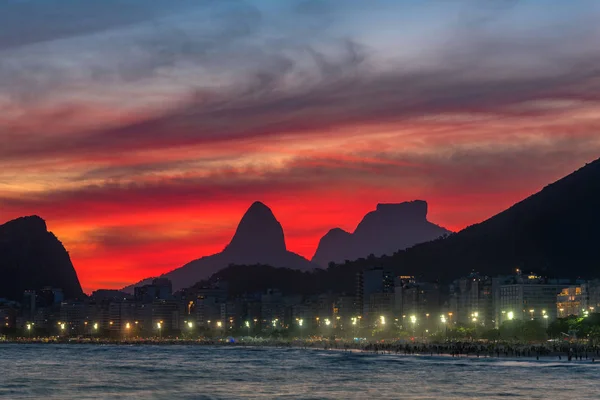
x: 258, y: 239
x: 258, y: 233
x: 33, y: 258
x: 555, y: 232
x: 391, y: 227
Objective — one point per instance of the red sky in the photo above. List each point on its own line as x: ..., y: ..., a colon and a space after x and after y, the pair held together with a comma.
x: 143, y: 139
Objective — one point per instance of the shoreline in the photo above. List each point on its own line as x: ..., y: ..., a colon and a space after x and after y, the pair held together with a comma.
x: 504, y: 351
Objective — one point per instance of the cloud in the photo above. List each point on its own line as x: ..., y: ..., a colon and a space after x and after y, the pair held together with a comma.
x: 120, y: 117
x: 27, y: 22
x: 305, y: 86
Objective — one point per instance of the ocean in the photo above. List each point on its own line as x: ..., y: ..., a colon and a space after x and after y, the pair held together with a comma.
x: 42, y: 371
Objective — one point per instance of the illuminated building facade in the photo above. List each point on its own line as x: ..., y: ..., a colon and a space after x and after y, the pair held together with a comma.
x: 530, y: 296
x: 569, y: 301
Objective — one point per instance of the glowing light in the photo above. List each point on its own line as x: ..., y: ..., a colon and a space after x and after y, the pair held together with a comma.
x: 510, y: 315
x: 95, y: 326
x: 382, y: 319
x: 219, y: 324
x: 62, y: 327
x: 300, y: 322
x: 443, y: 318
x: 128, y: 326
x: 413, y: 319
x: 327, y: 322
x: 159, y: 325
x: 247, y: 324
x: 190, y: 324
x: 28, y: 327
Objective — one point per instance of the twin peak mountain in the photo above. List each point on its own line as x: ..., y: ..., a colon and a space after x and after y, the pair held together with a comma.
x: 259, y: 239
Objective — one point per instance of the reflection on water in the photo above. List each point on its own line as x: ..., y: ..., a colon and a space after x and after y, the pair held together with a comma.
x: 197, y: 372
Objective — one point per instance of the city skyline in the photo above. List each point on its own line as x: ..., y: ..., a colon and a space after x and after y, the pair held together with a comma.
x: 141, y: 135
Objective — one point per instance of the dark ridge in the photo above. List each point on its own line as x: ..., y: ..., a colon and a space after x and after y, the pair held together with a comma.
x: 555, y: 232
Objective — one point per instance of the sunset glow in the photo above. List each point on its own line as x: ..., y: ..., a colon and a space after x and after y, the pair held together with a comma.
x: 143, y: 138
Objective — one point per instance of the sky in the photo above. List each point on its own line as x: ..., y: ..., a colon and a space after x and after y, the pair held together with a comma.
x: 142, y: 130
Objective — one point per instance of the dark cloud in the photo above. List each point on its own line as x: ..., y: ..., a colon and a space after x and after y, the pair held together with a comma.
x: 487, y: 73
x: 26, y: 22
x: 263, y: 108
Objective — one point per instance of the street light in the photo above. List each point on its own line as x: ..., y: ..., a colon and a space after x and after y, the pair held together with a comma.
x: 300, y: 324
x: 159, y: 326
x: 511, y: 315
x: 474, y: 316
x: 444, y: 320
x: 382, y: 319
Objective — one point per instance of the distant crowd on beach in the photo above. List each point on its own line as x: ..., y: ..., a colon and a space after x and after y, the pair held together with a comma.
x: 563, y: 350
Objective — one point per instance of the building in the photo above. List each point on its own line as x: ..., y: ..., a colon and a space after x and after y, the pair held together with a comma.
x: 208, y: 311
x: 530, y: 296
x: 344, y: 309
x: 165, y: 315
x: 569, y: 302
x: 590, y: 292
x: 419, y: 302
x: 369, y: 282
x: 381, y: 305
x: 159, y: 289
x: 73, y: 315
x: 471, y: 300
x: 8, y: 314
x: 272, y: 309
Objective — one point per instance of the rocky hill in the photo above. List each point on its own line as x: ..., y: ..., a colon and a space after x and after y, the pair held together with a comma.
x: 258, y: 239
x: 33, y: 258
x: 391, y: 227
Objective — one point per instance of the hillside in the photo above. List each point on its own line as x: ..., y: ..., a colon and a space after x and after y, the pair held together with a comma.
x: 554, y: 232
